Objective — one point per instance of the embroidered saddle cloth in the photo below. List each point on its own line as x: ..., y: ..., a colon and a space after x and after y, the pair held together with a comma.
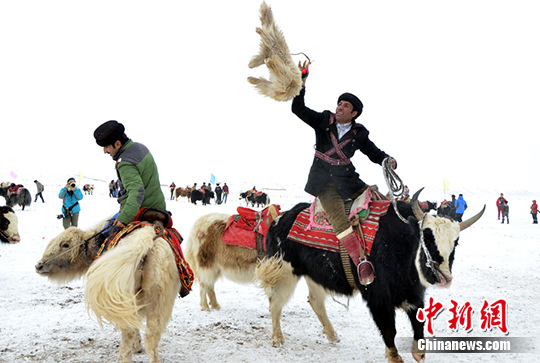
x: 173, y: 238
x: 248, y: 228
x: 312, y: 227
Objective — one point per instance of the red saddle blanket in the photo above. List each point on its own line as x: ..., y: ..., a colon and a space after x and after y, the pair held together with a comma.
x: 248, y: 228
x: 310, y: 234
x: 171, y: 235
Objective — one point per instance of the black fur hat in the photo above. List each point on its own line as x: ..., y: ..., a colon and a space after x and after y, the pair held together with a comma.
x: 355, y: 101
x: 109, y: 132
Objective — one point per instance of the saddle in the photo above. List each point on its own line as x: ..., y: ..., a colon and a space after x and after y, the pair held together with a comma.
x: 248, y: 228
x: 312, y: 227
x: 162, y: 223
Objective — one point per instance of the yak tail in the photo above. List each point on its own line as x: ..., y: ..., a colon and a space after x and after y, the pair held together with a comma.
x: 111, y: 281
x: 271, y: 270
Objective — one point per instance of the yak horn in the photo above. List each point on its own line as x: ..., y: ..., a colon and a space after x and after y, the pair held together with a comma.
x: 469, y: 222
x: 418, y: 213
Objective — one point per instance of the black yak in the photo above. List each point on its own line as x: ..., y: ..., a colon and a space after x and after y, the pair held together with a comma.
x: 401, y: 253
x: 16, y: 196
x: 9, y: 232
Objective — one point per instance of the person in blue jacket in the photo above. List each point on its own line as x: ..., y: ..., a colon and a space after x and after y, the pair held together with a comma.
x: 71, y: 195
x: 460, y: 205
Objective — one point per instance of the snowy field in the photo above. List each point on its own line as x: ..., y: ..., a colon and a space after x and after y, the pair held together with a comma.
x: 45, y: 322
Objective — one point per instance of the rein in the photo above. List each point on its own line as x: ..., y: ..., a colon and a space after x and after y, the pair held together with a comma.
x: 430, y: 263
x: 396, y: 187
x: 85, y: 243
x: 394, y: 184
x: 4, y: 235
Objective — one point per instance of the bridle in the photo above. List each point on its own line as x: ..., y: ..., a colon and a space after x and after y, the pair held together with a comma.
x: 430, y: 263
x: 84, y: 243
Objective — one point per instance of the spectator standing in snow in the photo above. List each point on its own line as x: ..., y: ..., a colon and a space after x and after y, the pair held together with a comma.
x: 40, y: 189
x: 460, y: 205
x: 225, y: 193
x: 534, y: 212
x: 70, y: 195
x: 218, y: 191
x: 505, y: 212
x: 173, y: 188
x: 111, y: 189
x: 500, y: 204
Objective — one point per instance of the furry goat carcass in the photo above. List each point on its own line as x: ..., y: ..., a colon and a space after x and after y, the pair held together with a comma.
x: 285, y: 77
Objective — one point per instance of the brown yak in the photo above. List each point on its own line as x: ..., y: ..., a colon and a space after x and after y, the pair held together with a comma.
x: 210, y: 258
x: 182, y: 192
x: 135, y: 280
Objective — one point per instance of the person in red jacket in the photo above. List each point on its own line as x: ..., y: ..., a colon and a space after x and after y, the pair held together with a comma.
x: 534, y: 212
x: 500, y: 205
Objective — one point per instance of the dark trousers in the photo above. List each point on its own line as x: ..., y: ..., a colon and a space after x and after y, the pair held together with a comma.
x: 39, y: 195
x: 334, y: 206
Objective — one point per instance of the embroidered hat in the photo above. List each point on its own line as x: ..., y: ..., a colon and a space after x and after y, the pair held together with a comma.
x: 109, y: 132
x: 349, y: 97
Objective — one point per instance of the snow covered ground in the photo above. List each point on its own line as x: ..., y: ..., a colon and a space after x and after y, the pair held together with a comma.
x: 44, y: 322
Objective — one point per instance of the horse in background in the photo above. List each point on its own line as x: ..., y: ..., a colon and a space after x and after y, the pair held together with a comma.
x: 137, y: 279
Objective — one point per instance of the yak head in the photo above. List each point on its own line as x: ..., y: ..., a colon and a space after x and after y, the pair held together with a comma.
x: 439, y: 237
x: 69, y: 255
x: 9, y: 232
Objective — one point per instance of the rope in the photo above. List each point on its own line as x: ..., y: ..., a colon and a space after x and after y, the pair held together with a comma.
x: 394, y: 184
x: 393, y: 181
x: 304, y: 54
x: 103, y: 230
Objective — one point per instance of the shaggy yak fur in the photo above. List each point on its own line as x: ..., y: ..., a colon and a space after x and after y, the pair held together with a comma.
x: 260, y: 200
x: 9, y: 232
x: 210, y: 258
x: 23, y: 199
x: 137, y: 279
x: 197, y: 195
x: 182, y: 192
x: 401, y: 274
x: 285, y: 77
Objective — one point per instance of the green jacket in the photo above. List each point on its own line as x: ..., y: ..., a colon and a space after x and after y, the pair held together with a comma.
x: 139, y: 181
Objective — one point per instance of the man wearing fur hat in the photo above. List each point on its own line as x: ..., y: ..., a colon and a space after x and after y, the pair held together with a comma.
x: 137, y: 172
x: 332, y: 177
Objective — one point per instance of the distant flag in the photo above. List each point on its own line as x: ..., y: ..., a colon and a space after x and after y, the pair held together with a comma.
x: 81, y: 177
x: 212, y: 179
x: 446, y: 185
x: 13, y: 175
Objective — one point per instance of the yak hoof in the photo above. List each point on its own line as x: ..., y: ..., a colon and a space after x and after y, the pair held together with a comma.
x: 278, y: 341
x: 334, y: 338
x: 393, y: 356
x: 418, y: 354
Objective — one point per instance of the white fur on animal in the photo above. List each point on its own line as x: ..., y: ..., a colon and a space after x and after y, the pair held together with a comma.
x: 285, y: 77
x: 137, y: 279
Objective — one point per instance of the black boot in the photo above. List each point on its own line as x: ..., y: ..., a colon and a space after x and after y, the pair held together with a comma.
x: 183, y: 291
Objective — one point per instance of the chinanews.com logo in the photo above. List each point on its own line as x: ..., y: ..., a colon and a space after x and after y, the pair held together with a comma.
x: 492, y: 317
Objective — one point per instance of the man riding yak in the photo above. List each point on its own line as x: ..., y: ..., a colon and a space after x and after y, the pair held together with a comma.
x: 332, y: 177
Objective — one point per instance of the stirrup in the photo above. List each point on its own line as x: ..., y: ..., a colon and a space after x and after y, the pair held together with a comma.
x: 366, y: 272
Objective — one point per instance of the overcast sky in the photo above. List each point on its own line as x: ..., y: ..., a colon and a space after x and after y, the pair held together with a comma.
x: 450, y: 89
